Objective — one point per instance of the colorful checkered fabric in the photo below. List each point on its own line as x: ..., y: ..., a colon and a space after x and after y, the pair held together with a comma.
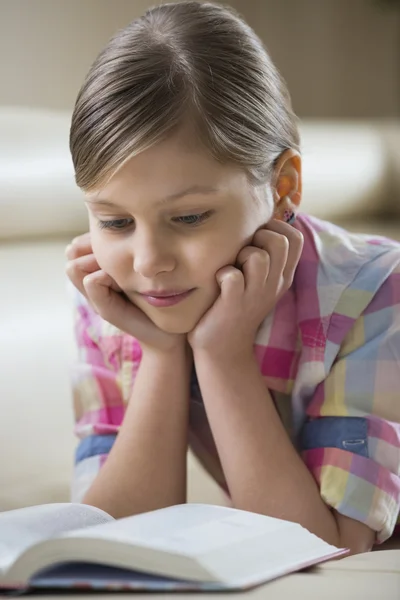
x: 330, y: 356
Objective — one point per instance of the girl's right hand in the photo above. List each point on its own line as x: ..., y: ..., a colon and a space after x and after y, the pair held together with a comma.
x: 109, y: 301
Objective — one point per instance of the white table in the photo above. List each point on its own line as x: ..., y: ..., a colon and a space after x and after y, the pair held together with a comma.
x: 372, y: 576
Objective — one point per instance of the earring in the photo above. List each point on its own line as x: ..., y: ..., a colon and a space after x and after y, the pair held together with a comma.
x: 289, y: 216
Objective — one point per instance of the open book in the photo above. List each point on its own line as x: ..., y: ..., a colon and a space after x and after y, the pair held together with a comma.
x: 183, y: 547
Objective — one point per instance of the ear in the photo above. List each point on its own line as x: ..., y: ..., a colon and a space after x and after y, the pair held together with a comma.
x: 287, y: 181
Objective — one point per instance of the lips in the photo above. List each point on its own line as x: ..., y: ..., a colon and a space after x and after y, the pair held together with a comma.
x: 166, y: 298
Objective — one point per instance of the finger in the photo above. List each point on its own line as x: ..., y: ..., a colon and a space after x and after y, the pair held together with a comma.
x: 277, y: 246
x: 231, y: 282
x: 98, y: 290
x: 114, y: 306
x: 255, y: 265
x: 79, y: 246
x: 296, y: 242
x: 102, y: 278
x: 80, y: 267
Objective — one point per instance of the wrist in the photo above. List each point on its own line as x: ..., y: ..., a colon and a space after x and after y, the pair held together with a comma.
x: 176, y: 354
x: 227, y: 357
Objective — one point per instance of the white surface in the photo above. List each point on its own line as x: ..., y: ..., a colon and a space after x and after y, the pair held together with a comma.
x: 345, y: 169
x: 38, y: 194
x: 392, y: 139
x: 36, y: 441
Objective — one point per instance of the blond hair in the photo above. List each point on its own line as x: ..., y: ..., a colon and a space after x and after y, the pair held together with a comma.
x: 182, y: 61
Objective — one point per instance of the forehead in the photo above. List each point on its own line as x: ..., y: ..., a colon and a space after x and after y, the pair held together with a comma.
x: 169, y: 168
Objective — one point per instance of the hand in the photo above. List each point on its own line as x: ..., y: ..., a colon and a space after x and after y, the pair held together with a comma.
x: 109, y: 301
x: 264, y: 271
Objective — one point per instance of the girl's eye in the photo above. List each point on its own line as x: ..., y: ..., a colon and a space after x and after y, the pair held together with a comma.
x: 115, y: 224
x: 193, y: 219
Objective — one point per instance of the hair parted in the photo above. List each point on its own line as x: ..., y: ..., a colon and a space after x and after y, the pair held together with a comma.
x: 182, y: 62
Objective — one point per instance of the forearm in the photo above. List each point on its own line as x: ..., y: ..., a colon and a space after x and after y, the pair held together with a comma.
x: 146, y: 468
x: 264, y: 472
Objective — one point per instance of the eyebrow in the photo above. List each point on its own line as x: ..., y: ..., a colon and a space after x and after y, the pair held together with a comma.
x: 190, y: 191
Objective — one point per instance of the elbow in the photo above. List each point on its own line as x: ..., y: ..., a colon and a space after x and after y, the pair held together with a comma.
x: 357, y: 537
x: 356, y: 548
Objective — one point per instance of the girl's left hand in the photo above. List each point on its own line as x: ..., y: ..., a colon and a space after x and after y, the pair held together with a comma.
x: 264, y: 271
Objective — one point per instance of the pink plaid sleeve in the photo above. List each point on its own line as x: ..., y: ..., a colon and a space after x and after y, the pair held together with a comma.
x: 102, y: 380
x: 351, y: 440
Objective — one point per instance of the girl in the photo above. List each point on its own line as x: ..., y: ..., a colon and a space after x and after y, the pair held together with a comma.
x: 209, y: 311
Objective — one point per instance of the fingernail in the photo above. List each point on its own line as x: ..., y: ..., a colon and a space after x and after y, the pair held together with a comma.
x: 67, y: 249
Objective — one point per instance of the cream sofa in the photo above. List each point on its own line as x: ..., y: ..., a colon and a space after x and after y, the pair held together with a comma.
x: 351, y: 175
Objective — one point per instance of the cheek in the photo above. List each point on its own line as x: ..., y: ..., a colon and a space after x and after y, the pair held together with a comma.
x: 111, y: 256
x: 221, y: 250
x: 223, y: 247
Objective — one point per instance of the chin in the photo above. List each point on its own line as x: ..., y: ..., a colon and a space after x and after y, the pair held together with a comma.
x: 177, y: 326
x: 179, y: 322
x: 179, y: 319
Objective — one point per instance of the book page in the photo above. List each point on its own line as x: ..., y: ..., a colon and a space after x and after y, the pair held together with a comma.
x: 190, y: 529
x: 234, y: 547
x: 21, y: 528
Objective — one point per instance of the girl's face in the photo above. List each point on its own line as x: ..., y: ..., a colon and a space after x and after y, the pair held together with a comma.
x: 167, y: 222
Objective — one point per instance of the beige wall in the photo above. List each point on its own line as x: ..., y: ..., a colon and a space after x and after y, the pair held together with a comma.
x: 46, y: 46
x: 341, y: 58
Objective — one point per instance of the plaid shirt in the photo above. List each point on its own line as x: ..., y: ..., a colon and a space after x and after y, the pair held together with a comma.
x: 330, y: 356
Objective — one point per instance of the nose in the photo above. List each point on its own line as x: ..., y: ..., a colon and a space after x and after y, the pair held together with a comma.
x: 152, y: 255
